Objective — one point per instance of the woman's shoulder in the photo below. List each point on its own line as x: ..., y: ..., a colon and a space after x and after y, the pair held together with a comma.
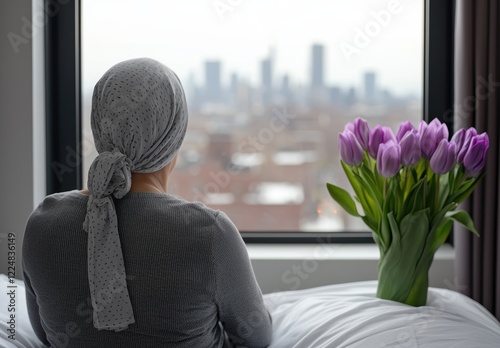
x: 55, y: 199
x: 195, y: 213
x: 56, y: 207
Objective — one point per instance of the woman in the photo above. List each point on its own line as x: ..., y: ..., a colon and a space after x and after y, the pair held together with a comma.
x: 124, y: 264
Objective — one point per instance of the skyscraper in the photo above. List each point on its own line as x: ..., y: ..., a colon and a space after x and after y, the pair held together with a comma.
x: 267, y: 80
x: 285, y: 88
x: 317, y: 68
x: 213, y: 90
x: 369, y: 86
x: 234, y: 87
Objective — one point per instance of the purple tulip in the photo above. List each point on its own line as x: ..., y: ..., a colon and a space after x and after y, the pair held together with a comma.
x: 404, y: 128
x: 388, y: 159
x: 349, y: 127
x: 469, y: 134
x: 362, y: 132
x: 444, y: 158
x: 422, y: 126
x: 376, y: 138
x: 475, y: 157
x: 388, y: 135
x: 350, y: 150
x: 435, y: 122
x: 410, y: 148
x: 458, y: 138
x: 431, y: 137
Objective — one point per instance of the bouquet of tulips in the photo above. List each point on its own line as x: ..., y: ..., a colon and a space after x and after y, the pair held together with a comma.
x: 409, y: 185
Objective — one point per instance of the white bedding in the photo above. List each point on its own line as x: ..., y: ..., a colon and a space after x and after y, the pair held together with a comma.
x: 349, y: 315
x: 344, y: 315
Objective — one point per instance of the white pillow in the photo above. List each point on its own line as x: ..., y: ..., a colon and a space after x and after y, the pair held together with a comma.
x: 349, y: 315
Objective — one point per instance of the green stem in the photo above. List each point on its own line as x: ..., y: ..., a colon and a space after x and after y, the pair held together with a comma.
x: 405, y: 184
x: 461, y: 180
x: 385, y: 188
x: 436, y: 194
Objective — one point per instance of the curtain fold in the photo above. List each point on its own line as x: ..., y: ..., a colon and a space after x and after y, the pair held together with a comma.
x: 477, y: 104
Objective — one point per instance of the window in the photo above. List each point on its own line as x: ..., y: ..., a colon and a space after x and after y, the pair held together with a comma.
x: 316, y: 65
x: 269, y: 87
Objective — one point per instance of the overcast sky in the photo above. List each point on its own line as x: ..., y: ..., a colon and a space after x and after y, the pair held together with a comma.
x: 183, y: 34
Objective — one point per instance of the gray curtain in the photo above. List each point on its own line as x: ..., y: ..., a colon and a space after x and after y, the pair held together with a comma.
x: 477, y: 104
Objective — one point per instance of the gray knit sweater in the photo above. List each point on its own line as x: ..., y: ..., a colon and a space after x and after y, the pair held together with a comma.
x: 188, y: 274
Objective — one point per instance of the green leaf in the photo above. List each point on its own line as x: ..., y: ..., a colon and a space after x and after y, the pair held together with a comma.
x: 395, y: 232
x: 343, y: 198
x: 420, y: 169
x: 399, y: 266
x: 356, y: 186
x: 438, y: 217
x: 368, y: 220
x: 464, y: 219
x: 458, y: 178
x: 465, y: 189
x: 419, y: 202
x: 451, y: 178
x: 441, y: 234
x: 389, y: 202
x: 409, y: 202
x: 431, y: 194
x: 385, y: 231
x: 415, y: 224
x: 372, y: 199
x: 444, y: 189
x: 372, y: 184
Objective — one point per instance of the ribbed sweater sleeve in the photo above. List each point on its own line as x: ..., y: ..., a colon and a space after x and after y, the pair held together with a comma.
x: 238, y: 297
x: 33, y: 311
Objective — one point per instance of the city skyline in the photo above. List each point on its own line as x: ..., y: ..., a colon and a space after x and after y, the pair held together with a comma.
x: 185, y: 35
x: 271, y: 86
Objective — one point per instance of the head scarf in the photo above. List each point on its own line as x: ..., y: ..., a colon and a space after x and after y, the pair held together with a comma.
x: 138, y: 119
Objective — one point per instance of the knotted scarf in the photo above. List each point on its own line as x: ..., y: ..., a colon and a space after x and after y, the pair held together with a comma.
x: 138, y: 119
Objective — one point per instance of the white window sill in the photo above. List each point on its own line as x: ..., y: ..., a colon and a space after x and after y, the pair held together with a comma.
x: 327, y: 252
x: 281, y: 267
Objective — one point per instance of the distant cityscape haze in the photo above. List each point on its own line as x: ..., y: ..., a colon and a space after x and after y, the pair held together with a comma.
x: 268, y: 89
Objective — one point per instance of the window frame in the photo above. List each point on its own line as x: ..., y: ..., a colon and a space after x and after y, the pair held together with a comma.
x: 62, y: 95
x: 63, y: 102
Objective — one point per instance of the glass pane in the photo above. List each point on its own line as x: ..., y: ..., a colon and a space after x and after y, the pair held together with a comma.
x: 270, y: 84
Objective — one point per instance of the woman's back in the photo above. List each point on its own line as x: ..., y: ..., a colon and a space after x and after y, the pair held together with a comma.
x: 186, y: 269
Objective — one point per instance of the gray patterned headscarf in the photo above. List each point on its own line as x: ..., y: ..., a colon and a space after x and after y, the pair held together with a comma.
x: 139, y: 119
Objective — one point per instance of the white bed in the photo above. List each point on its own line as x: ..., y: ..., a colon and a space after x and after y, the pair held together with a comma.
x: 344, y: 315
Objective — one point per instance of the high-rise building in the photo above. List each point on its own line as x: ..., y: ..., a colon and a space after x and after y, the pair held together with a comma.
x: 234, y: 87
x: 213, y: 89
x: 317, y: 67
x: 285, y: 88
x: 266, y: 73
x: 267, y: 79
x: 351, y: 96
x: 369, y: 86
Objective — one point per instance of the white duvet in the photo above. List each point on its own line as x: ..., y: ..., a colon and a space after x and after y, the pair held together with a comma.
x: 345, y: 315
x: 349, y: 315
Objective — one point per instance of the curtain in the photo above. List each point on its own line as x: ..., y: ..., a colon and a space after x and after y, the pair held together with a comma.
x: 477, y: 104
